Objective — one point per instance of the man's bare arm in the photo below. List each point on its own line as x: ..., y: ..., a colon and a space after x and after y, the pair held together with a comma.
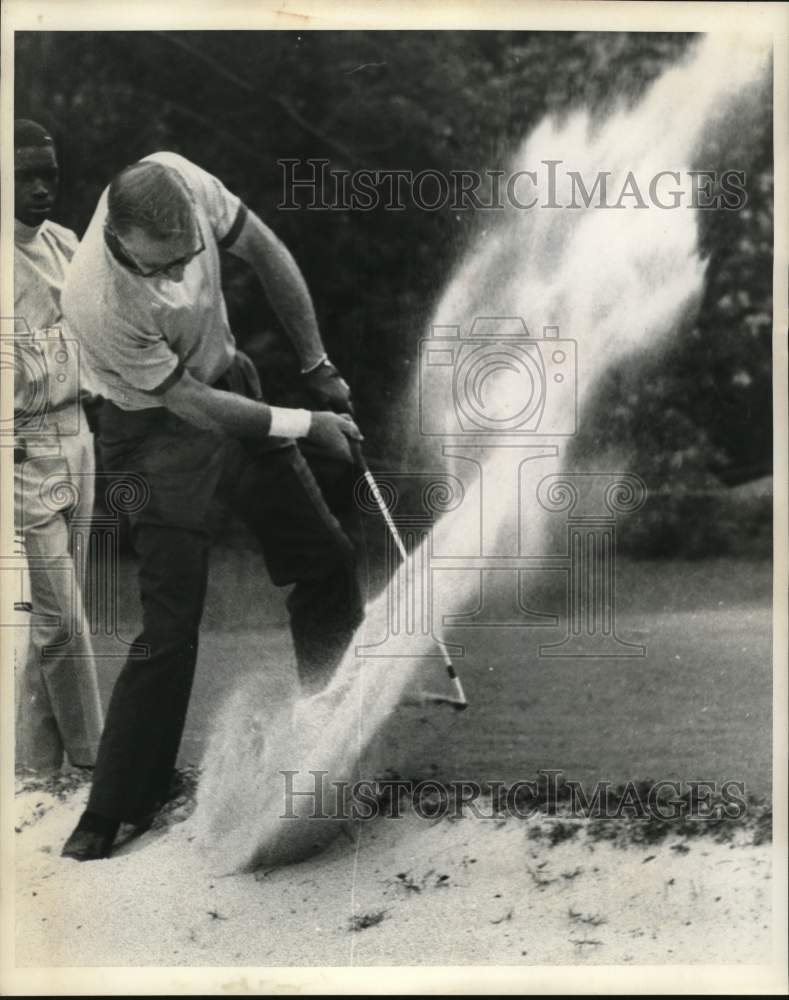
x: 228, y: 413
x: 284, y: 285
x: 216, y: 410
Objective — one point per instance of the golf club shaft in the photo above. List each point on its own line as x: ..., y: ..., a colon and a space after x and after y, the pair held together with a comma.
x: 384, y: 510
x: 381, y: 503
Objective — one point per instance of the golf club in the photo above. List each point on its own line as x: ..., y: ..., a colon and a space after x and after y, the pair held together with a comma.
x: 459, y: 702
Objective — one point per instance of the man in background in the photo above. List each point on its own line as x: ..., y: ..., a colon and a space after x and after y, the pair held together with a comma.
x: 183, y: 411
x: 57, y: 700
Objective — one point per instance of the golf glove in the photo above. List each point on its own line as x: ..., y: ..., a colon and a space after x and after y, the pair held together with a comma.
x: 328, y: 388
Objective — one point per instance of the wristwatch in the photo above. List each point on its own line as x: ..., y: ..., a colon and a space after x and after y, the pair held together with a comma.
x: 318, y: 364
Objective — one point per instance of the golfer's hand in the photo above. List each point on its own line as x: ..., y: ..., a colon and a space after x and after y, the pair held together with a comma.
x: 335, y: 434
x: 328, y: 388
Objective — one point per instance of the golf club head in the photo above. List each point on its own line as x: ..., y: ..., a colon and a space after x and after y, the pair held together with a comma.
x: 429, y: 698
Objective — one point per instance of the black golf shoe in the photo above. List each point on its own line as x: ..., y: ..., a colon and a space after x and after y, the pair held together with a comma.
x: 92, y: 838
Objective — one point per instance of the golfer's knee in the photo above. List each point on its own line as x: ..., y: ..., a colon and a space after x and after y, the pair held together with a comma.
x: 334, y: 597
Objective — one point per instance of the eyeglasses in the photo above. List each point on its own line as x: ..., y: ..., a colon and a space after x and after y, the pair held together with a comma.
x: 128, y: 259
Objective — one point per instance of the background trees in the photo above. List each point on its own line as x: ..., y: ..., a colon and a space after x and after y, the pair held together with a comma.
x: 236, y: 102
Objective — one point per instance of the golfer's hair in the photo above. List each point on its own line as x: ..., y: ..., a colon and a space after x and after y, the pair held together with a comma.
x: 152, y: 197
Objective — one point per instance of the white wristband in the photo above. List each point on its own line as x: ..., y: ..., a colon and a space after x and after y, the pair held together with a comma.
x: 288, y: 423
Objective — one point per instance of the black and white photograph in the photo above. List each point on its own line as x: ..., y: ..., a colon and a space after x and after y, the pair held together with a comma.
x: 394, y: 498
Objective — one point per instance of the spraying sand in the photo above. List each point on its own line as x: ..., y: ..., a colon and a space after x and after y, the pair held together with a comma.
x: 615, y: 282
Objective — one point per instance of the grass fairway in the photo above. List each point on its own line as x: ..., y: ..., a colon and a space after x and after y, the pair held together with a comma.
x: 697, y: 706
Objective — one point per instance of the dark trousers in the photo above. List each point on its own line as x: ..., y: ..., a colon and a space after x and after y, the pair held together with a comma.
x: 303, y: 544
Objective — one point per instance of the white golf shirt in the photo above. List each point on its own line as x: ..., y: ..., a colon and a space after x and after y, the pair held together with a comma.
x: 134, y: 332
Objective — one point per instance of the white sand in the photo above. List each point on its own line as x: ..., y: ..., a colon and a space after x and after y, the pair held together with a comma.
x: 464, y: 891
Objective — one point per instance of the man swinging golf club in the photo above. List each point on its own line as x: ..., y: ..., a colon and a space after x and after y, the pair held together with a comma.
x: 183, y: 411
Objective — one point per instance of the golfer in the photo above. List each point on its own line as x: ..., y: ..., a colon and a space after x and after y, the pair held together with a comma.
x: 58, y: 711
x: 183, y: 411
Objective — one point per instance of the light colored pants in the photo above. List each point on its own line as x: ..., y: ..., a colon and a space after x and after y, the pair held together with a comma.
x: 57, y: 697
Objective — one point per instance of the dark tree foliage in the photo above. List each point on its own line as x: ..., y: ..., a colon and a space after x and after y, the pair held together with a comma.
x: 237, y: 102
